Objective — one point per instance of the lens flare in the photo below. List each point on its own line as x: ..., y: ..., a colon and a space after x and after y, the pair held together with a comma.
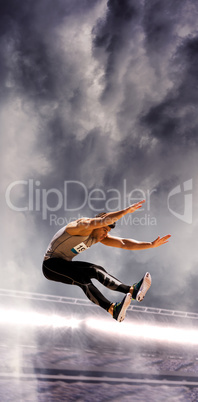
x: 29, y: 318
x: 141, y: 331
x: 146, y: 331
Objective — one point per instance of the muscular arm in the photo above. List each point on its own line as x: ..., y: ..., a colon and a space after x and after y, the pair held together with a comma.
x: 130, y: 244
x: 84, y: 226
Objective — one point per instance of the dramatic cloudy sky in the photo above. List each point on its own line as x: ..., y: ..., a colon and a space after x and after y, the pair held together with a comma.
x: 99, y: 94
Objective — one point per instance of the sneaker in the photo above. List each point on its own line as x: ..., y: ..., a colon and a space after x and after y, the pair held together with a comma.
x: 140, y: 288
x: 120, y: 308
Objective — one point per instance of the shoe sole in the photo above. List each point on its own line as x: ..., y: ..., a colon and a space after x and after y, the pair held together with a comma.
x: 144, y: 287
x: 124, y: 308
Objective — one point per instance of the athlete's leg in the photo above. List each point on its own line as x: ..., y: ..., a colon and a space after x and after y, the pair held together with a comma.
x: 96, y: 296
x: 99, y: 273
x: 80, y: 274
x: 68, y: 272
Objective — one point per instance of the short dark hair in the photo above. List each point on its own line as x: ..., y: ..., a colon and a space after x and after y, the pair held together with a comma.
x: 101, y: 214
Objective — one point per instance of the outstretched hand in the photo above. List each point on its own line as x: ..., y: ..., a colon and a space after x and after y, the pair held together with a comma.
x: 160, y: 240
x: 135, y: 206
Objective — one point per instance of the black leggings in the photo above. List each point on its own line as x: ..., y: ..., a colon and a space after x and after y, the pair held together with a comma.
x: 80, y: 273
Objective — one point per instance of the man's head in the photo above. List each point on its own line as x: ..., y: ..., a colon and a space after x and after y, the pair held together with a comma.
x: 101, y: 214
x: 101, y: 233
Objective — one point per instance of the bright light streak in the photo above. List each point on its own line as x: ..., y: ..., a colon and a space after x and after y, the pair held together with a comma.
x: 145, y: 331
x: 127, y: 329
x: 29, y: 318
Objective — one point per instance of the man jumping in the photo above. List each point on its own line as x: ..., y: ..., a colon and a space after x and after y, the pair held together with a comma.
x: 78, y: 236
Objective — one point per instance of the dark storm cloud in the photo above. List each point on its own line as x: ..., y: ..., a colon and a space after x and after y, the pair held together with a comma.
x: 174, y: 120
x: 28, y: 30
x: 109, y: 32
x: 159, y: 23
x: 111, y: 35
x: 21, y: 31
